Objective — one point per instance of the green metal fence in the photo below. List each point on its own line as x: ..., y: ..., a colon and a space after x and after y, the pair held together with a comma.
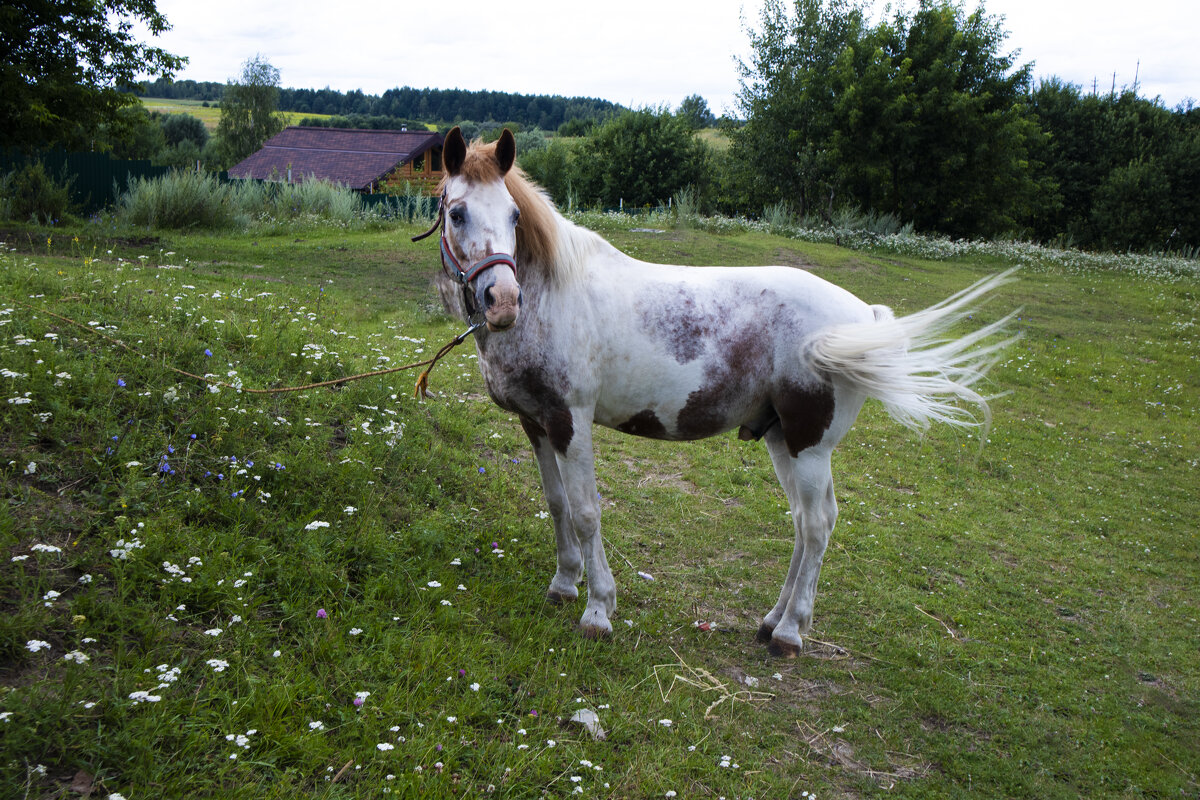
x: 98, y: 179
x: 94, y: 177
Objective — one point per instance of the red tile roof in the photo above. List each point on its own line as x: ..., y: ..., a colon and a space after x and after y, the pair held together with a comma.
x: 348, y: 156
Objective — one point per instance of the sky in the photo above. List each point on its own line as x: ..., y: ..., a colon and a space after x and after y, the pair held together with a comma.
x: 638, y: 53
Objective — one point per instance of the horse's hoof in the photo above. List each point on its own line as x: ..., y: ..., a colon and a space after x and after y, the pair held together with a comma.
x: 782, y: 649
x: 595, y: 632
x: 764, y: 633
x: 560, y: 598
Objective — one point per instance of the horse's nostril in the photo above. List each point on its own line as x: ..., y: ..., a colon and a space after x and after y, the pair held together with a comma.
x: 488, y: 299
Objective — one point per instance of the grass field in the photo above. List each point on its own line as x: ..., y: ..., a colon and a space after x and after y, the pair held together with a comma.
x: 338, y: 593
x: 209, y: 115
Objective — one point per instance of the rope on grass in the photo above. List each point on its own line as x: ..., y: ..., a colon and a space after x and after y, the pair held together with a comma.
x: 422, y: 386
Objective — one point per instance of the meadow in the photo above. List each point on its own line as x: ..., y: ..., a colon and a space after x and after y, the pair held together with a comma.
x: 338, y: 593
x: 210, y: 114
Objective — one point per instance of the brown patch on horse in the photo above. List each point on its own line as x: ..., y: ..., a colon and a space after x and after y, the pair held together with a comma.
x: 644, y: 423
x: 708, y: 410
x: 671, y: 317
x: 544, y: 412
x: 805, y: 413
x: 537, y: 230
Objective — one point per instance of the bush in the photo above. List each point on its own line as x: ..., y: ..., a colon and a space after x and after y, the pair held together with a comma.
x: 180, y: 199
x: 190, y: 199
x: 31, y: 193
x: 311, y: 198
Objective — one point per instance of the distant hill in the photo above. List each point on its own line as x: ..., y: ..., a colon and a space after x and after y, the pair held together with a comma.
x: 547, y: 112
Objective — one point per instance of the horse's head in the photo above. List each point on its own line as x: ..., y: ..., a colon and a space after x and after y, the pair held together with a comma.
x: 479, y: 234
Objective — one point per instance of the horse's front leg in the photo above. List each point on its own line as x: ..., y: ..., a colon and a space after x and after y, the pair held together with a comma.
x: 578, y: 471
x: 570, y: 562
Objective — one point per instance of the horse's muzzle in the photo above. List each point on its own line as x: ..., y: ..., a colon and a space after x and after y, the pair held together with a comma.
x: 499, y: 295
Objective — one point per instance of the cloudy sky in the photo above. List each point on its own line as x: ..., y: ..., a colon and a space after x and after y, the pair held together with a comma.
x: 634, y: 52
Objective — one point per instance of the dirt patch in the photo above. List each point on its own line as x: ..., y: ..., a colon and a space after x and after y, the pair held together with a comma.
x: 792, y: 258
x: 655, y: 479
x: 836, y: 751
x: 28, y: 241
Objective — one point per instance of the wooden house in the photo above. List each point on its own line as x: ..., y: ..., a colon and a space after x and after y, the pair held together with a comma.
x: 363, y: 160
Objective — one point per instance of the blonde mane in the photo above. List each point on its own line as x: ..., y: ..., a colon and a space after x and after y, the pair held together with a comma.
x: 546, y: 241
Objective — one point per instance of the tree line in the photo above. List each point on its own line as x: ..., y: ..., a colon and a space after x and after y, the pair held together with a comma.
x: 927, y: 117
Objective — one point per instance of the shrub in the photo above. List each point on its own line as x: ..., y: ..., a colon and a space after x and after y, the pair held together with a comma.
x: 180, y: 199
x: 32, y: 193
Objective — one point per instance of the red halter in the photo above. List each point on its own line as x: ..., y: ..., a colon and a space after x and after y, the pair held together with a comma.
x: 463, y: 276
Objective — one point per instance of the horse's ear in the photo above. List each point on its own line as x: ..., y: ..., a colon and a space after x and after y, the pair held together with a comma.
x: 454, y: 151
x: 506, y: 151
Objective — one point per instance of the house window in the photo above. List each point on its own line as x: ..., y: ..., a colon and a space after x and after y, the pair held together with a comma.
x: 435, y: 156
x: 418, y: 164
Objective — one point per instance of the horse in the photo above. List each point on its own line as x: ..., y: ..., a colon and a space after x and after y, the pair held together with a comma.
x: 571, y: 332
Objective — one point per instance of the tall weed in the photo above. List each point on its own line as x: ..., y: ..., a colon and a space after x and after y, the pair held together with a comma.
x: 188, y: 199
x: 180, y: 199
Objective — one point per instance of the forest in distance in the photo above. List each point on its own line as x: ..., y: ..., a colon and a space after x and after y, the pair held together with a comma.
x: 547, y: 112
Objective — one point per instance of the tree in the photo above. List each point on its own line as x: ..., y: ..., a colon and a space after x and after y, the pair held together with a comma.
x: 249, y: 114
x: 951, y: 134
x: 924, y: 116
x: 694, y: 111
x: 641, y: 157
x: 179, y: 128
x: 67, y: 66
x: 787, y: 102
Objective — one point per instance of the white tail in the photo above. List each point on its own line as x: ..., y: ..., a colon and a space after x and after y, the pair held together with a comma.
x: 907, y: 363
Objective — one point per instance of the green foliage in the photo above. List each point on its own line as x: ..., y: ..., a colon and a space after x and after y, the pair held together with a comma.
x: 180, y: 128
x: 249, y: 111
x: 922, y: 117
x: 694, y: 110
x: 1127, y: 169
x: 364, y: 122
x: 640, y: 157
x: 31, y: 193
x: 552, y: 167
x: 182, y: 199
x: 67, y: 64
x: 787, y: 98
x: 186, y: 199
x: 133, y: 133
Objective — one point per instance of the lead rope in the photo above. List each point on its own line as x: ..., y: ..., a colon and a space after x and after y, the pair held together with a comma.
x: 422, y: 386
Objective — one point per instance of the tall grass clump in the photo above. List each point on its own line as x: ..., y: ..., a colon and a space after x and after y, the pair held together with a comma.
x: 686, y: 205
x: 180, y: 199
x: 778, y: 218
x: 187, y: 199
x: 417, y: 206
x: 311, y: 199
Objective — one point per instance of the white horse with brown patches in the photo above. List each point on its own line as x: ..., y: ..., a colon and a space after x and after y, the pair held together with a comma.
x: 579, y: 333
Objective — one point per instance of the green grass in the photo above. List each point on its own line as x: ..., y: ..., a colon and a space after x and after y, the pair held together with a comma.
x: 210, y: 115
x: 1019, y: 621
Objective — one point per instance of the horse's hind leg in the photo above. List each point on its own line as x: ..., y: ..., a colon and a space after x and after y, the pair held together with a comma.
x: 808, y: 482
x: 570, y: 561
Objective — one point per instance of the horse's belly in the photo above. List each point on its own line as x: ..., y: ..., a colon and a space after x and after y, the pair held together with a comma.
x: 680, y: 413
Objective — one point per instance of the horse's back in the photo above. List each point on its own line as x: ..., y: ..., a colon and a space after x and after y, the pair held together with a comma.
x: 710, y: 349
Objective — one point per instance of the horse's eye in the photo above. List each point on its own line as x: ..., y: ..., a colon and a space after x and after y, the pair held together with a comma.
x: 457, y: 216
x: 516, y: 216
